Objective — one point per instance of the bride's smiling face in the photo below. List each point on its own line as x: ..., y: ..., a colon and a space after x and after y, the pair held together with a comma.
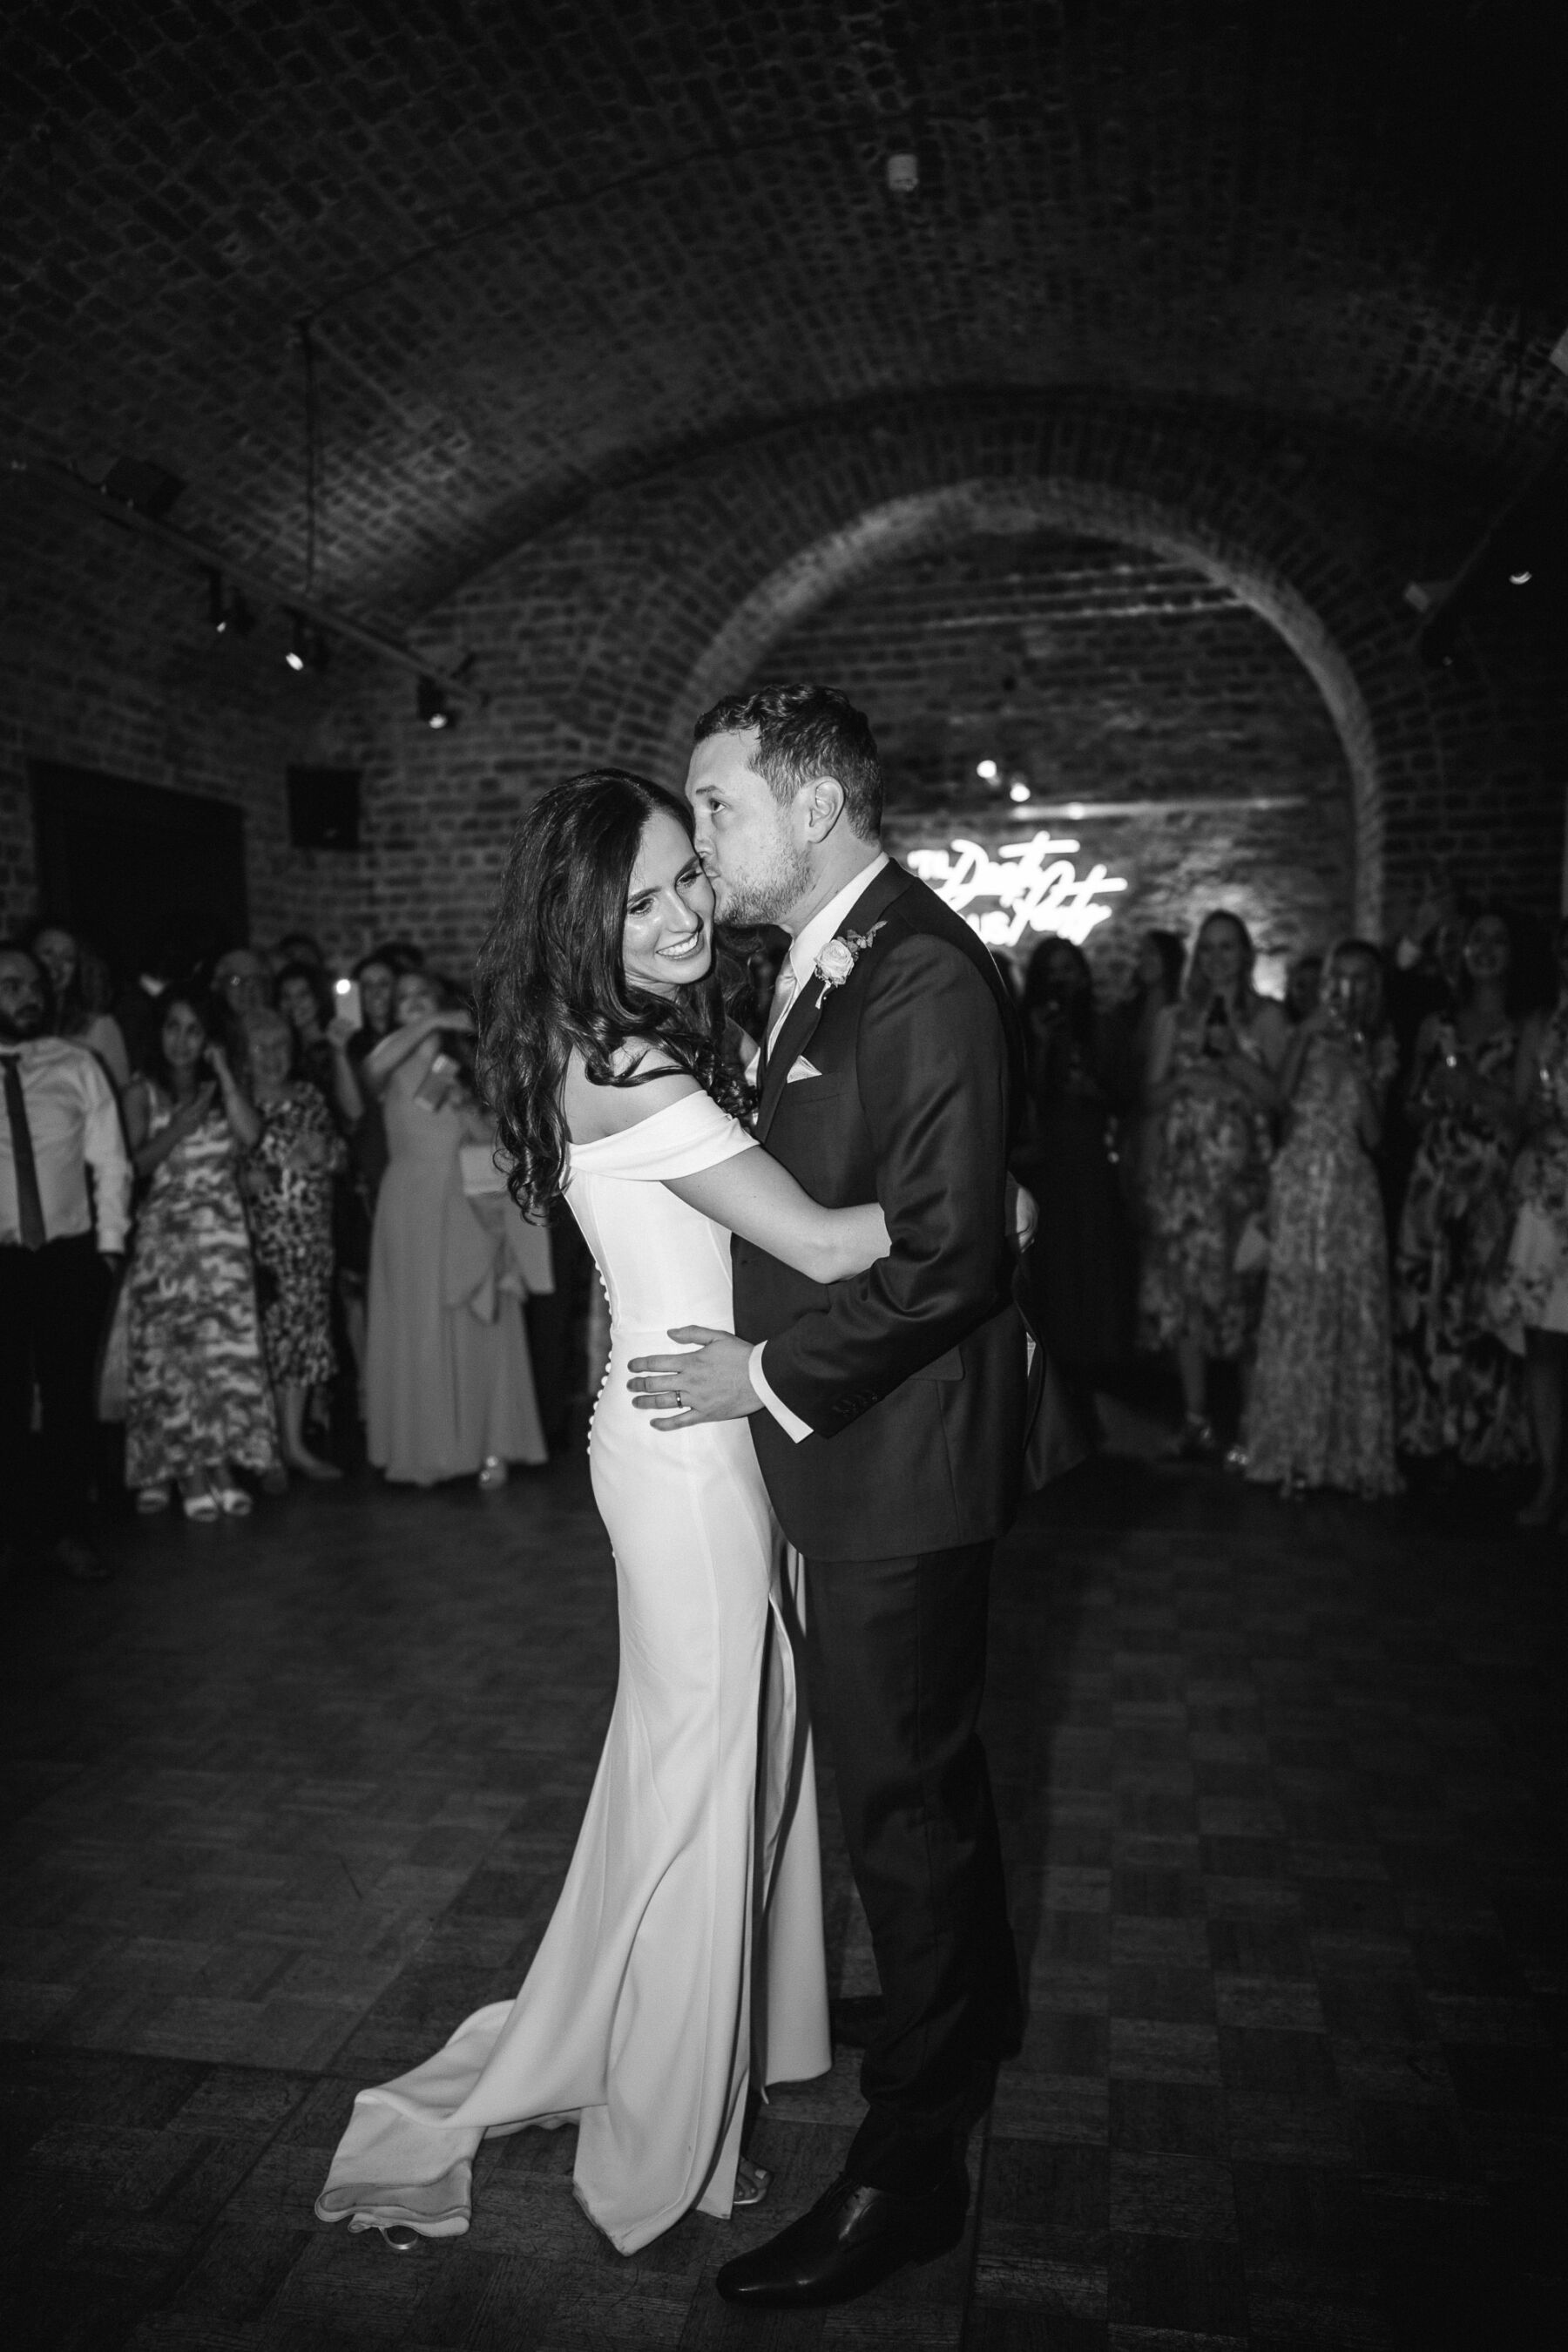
x: 667, y: 938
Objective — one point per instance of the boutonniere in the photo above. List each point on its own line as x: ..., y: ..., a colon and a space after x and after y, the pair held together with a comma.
x: 839, y: 957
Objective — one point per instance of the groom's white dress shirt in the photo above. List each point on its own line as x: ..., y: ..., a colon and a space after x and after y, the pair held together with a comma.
x: 805, y: 949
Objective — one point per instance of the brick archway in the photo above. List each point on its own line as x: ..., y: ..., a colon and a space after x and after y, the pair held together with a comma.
x: 931, y: 518
x: 601, y: 637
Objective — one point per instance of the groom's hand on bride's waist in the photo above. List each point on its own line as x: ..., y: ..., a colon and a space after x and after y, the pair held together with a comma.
x: 708, y: 1381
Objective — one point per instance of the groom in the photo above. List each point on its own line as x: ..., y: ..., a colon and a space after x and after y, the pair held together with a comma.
x: 888, y: 1413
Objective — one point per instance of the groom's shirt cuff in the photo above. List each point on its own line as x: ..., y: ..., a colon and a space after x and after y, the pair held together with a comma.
x: 790, y: 1423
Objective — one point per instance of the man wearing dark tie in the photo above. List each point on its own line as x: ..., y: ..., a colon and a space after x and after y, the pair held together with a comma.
x: 58, y: 1244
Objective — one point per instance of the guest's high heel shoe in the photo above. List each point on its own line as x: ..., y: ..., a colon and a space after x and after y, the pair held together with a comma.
x: 752, y: 2182
x: 1197, y: 1441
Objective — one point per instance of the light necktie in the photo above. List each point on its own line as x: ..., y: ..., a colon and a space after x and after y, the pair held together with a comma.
x: 778, y: 1013
x: 33, y: 1231
x: 784, y: 997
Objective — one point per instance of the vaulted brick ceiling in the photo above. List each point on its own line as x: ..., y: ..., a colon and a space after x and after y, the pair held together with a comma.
x: 547, y: 248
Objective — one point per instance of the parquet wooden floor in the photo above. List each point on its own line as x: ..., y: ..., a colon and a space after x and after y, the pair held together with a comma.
x: 1283, y: 1796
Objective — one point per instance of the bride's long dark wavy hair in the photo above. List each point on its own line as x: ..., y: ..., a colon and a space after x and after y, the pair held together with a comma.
x: 549, y: 976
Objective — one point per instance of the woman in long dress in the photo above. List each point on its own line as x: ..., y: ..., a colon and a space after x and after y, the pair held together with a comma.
x: 605, y: 1047
x: 1529, y: 1305
x: 288, y: 1183
x: 448, y: 1386
x: 1456, y: 1389
x: 197, y: 1400
x: 1211, y: 1086
x: 1321, y: 1411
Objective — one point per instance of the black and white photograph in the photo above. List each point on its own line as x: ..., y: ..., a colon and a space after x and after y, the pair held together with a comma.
x: 783, y: 1186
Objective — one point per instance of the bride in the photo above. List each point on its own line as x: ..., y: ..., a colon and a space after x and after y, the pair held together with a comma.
x: 602, y: 1054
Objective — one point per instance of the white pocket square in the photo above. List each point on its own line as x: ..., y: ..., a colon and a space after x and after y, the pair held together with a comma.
x: 801, y: 1069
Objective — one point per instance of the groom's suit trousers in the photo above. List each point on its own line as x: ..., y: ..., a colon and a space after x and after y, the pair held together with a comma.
x: 898, y: 1667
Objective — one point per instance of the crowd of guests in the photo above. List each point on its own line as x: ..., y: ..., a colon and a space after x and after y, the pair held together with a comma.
x: 216, y: 1194
x: 1355, y: 1198
x: 1341, y: 1217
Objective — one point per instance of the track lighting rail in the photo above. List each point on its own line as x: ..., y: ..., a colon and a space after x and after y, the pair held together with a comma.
x: 184, y: 548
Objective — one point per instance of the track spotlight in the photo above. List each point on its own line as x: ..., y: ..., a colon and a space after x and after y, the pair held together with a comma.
x: 435, y: 709
x: 308, y: 648
x: 230, y: 615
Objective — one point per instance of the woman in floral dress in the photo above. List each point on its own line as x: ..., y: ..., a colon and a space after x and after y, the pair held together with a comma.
x: 198, y: 1401
x: 288, y: 1178
x: 1212, y: 1072
x: 1456, y: 1389
x: 1321, y: 1411
x: 1529, y: 1306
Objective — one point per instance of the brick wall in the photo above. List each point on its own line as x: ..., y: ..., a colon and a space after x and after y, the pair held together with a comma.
x: 108, y: 665
x: 600, y: 638
x: 1090, y: 674
x: 550, y: 243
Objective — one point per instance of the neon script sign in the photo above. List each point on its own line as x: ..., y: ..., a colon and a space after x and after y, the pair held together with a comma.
x: 1034, y: 883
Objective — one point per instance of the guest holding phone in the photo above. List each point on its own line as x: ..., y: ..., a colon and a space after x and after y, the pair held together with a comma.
x: 321, y: 1053
x: 375, y: 976
x: 198, y: 1402
x: 448, y: 1384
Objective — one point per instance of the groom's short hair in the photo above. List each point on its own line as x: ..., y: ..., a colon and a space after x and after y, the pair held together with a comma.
x: 805, y: 732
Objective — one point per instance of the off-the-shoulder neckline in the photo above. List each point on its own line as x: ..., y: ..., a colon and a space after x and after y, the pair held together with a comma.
x: 641, y: 1126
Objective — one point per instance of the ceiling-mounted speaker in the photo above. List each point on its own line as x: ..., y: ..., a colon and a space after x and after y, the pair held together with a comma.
x: 324, y: 808
x: 137, y: 482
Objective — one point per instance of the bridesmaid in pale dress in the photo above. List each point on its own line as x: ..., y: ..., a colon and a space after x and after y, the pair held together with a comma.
x: 608, y: 1060
x: 448, y: 1386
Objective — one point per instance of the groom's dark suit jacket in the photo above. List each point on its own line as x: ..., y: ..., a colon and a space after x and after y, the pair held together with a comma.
x: 912, y: 1374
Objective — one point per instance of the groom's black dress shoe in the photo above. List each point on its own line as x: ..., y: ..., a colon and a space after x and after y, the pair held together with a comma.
x: 852, y: 2238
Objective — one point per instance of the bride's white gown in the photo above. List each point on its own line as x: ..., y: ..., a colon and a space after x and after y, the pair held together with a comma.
x: 636, y: 2019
